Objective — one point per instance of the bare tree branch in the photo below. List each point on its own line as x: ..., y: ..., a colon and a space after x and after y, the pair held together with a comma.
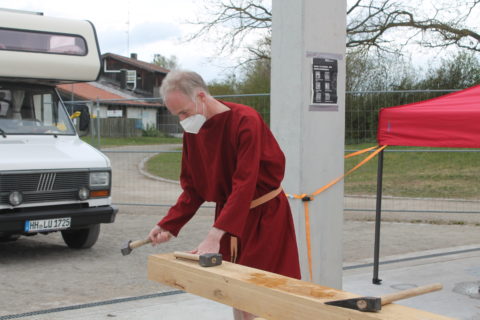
x: 238, y: 17
x: 353, y: 7
x: 372, y: 25
x: 371, y: 30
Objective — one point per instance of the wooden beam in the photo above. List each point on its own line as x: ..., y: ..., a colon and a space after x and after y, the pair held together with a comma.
x: 267, y: 295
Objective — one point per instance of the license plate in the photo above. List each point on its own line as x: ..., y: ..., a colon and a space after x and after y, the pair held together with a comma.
x: 47, y: 224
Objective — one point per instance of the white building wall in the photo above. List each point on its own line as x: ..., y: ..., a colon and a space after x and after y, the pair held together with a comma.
x: 134, y: 113
x: 148, y: 116
x: 100, y: 111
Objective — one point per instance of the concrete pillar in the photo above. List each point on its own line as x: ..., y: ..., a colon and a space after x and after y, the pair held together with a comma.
x: 309, y: 122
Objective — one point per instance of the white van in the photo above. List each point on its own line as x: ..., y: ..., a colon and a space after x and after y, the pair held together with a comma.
x: 50, y: 180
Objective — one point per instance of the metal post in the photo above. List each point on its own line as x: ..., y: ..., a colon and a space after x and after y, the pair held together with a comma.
x: 92, y: 124
x: 378, y: 219
x: 98, y: 124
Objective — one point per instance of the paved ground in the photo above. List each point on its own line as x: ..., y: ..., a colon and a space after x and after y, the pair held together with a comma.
x: 39, y: 273
x: 458, y: 273
x: 130, y: 185
x: 459, y: 298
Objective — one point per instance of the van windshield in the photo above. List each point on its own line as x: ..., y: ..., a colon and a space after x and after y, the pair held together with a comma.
x: 30, y: 109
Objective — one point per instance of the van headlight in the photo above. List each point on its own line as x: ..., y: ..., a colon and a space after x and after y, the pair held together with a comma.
x: 15, y: 198
x: 99, y: 179
x: 83, y: 193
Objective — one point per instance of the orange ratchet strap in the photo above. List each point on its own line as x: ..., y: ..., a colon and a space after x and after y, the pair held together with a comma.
x: 309, y: 197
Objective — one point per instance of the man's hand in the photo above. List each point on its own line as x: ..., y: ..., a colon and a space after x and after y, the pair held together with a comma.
x: 159, y: 235
x: 211, y: 244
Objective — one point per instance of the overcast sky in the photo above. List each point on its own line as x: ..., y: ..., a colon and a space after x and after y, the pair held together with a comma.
x: 147, y: 27
x: 144, y: 27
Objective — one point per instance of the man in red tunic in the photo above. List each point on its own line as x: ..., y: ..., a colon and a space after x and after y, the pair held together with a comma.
x: 230, y: 157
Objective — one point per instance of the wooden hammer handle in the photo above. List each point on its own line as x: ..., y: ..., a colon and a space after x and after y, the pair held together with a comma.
x: 139, y: 243
x: 389, y: 298
x: 186, y: 255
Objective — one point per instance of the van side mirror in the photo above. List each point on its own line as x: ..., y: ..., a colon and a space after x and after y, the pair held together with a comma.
x: 83, y: 115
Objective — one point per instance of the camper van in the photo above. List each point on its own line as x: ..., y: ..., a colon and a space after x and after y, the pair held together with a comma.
x: 50, y: 180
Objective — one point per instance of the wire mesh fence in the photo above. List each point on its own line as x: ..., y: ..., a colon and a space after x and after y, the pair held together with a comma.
x: 135, y: 180
x: 415, y: 179
x: 362, y: 107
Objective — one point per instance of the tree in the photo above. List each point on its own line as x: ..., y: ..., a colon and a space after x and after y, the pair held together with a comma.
x: 369, y: 77
x: 457, y: 72
x: 164, y: 62
x: 371, y: 24
x: 379, y: 82
x: 224, y: 87
x: 230, y: 23
x: 256, y: 77
x: 367, y: 72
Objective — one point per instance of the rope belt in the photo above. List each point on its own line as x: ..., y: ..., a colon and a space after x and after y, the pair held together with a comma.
x: 255, y: 203
x: 265, y: 198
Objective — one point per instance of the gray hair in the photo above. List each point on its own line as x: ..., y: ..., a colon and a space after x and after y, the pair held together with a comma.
x: 187, y: 82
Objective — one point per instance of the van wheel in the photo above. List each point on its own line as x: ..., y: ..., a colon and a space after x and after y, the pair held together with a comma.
x: 81, y: 238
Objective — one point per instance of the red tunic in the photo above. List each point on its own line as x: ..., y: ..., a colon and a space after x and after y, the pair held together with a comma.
x: 231, y: 161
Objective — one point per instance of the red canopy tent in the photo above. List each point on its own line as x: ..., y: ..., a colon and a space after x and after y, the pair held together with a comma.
x: 451, y: 121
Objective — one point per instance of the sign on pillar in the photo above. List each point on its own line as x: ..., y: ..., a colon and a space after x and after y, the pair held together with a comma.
x: 308, y: 120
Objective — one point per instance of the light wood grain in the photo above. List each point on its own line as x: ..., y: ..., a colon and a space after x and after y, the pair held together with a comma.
x: 267, y: 295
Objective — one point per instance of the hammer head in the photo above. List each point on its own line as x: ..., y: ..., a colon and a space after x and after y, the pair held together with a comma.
x: 126, y: 248
x: 368, y: 304
x: 210, y: 259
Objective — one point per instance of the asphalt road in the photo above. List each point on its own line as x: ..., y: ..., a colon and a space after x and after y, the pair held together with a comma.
x: 38, y: 273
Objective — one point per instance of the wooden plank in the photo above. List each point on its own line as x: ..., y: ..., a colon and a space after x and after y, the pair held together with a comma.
x: 267, y: 295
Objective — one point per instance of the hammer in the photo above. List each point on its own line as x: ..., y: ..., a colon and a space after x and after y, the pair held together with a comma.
x: 205, y: 260
x: 130, y: 245
x: 373, y: 304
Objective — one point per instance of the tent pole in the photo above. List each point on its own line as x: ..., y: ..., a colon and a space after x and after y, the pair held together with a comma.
x: 378, y: 218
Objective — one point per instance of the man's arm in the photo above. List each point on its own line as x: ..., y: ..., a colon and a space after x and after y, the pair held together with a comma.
x: 187, y: 203
x: 211, y: 244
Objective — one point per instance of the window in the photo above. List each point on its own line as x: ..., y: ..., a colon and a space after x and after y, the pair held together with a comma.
x: 33, y: 110
x: 42, y: 42
x: 5, y: 99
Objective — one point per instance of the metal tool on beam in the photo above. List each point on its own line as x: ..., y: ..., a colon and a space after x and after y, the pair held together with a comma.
x: 205, y: 260
x: 373, y: 304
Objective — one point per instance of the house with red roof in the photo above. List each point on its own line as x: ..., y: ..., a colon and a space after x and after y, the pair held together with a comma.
x: 126, y: 88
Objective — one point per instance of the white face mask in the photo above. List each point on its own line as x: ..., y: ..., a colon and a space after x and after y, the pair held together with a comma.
x: 194, y: 123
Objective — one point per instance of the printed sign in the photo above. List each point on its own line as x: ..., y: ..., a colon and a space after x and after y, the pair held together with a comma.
x: 114, y: 113
x: 324, y: 81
